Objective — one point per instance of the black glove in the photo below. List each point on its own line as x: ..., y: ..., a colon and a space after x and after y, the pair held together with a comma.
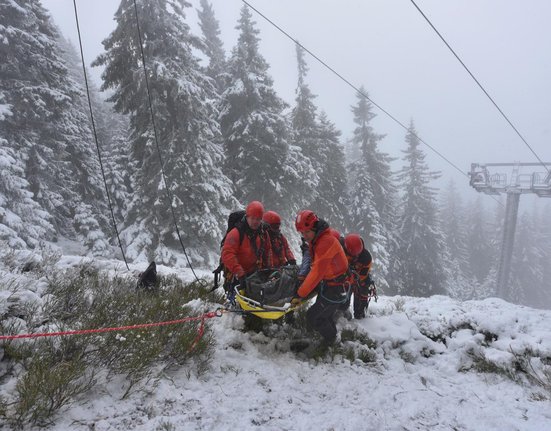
x: 292, y: 262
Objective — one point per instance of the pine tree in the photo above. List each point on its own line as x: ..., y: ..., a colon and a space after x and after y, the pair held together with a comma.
x: 112, y: 133
x: 23, y: 224
x: 48, y: 128
x: 484, y: 243
x: 332, y: 198
x: 483, y: 246
x: 319, y: 141
x: 91, y: 214
x: 372, y: 191
x: 460, y: 279
x: 420, y: 241
x: 188, y: 135
x: 542, y: 296
x: 254, y: 128
x: 526, y: 273
x: 212, y: 45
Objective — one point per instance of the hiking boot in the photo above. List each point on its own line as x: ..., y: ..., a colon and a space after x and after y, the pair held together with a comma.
x: 360, y: 315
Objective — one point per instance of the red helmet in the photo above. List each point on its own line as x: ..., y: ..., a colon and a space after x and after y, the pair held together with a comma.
x: 335, y: 233
x: 305, y: 220
x: 353, y: 244
x: 255, y: 209
x: 272, y: 218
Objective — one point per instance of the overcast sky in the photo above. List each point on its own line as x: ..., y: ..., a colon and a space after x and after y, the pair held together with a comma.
x: 387, y: 46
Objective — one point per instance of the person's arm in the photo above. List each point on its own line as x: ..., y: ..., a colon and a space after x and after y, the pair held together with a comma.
x: 289, y: 256
x: 229, y: 253
x: 305, y: 264
x: 325, y: 250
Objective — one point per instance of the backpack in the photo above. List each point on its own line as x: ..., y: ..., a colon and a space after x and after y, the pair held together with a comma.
x: 235, y: 219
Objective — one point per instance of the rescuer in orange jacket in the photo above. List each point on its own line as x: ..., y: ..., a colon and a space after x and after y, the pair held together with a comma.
x: 247, y: 248
x: 328, y: 271
x: 281, y: 252
x: 360, y: 261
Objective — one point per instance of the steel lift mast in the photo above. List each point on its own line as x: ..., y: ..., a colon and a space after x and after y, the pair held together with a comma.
x: 486, y: 178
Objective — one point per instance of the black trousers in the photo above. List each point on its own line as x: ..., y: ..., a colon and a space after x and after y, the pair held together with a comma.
x: 360, y: 305
x: 320, y: 316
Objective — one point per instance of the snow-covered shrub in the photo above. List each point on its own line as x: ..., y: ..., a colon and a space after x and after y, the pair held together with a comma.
x: 48, y: 374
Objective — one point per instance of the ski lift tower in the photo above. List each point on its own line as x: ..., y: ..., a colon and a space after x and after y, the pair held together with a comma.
x: 489, y: 178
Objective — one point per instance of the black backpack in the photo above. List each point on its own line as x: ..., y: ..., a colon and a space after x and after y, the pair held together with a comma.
x: 235, y: 219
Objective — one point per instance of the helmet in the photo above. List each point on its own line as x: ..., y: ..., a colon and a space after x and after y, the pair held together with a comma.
x: 353, y: 244
x: 254, y: 209
x: 272, y: 218
x: 305, y: 220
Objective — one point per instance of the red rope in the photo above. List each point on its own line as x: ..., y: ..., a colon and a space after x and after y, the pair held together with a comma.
x: 201, y: 329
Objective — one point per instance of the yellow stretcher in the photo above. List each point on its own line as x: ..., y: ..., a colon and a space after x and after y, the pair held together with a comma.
x: 263, y: 311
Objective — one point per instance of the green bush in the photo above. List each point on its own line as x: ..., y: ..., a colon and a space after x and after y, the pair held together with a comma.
x: 57, y: 370
x: 55, y: 375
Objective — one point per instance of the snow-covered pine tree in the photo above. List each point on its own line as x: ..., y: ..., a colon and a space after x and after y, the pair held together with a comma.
x: 112, y: 132
x: 460, y: 280
x: 49, y: 127
x: 482, y: 244
x: 28, y: 91
x: 332, y: 194
x: 23, y: 224
x: 420, y: 239
x: 212, y: 45
x: 543, y: 223
x: 254, y: 128
x: 372, y: 190
x: 188, y: 134
x: 91, y: 219
x: 526, y: 273
x: 319, y: 141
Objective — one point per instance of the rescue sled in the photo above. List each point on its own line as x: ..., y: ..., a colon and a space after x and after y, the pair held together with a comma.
x: 268, y: 292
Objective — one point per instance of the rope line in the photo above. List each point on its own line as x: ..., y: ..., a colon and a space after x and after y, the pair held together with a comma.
x: 347, y: 82
x: 202, y: 318
x: 361, y: 93
x: 479, y: 84
x: 169, y: 193
x: 96, y: 137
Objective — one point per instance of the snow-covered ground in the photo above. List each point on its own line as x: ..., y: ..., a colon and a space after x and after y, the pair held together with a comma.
x: 420, y: 375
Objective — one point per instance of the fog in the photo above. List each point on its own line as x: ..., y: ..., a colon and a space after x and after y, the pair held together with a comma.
x: 390, y: 49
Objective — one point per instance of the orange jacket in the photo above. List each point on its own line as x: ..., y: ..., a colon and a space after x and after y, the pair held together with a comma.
x: 361, y: 264
x: 243, y: 259
x: 328, y: 262
x: 281, y: 252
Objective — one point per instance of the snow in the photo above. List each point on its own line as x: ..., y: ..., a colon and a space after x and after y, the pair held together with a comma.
x: 421, y: 376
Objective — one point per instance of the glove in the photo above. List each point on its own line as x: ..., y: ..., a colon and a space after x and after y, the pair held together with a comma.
x: 296, y: 301
x: 230, y: 295
x: 292, y: 262
x: 242, y: 282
